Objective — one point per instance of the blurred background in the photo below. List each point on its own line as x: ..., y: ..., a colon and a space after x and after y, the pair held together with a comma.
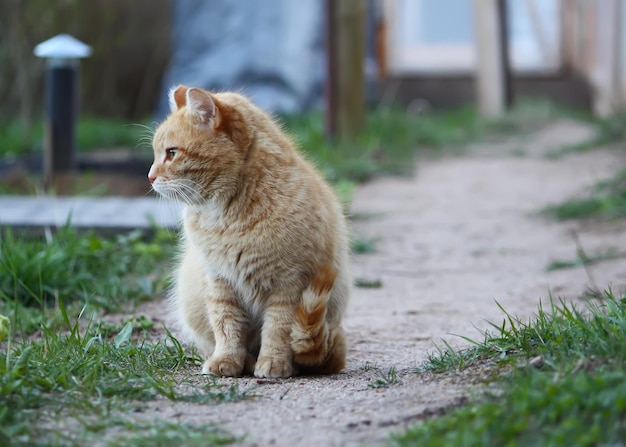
x: 122, y: 79
x: 523, y: 101
x: 297, y: 57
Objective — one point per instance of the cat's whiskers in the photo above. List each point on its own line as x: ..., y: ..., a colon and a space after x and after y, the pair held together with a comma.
x: 174, y: 191
x: 150, y: 130
x: 181, y: 190
x: 146, y: 138
x: 191, y: 190
x: 177, y: 210
x: 174, y: 204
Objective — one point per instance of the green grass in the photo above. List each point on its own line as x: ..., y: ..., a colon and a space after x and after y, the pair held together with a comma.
x: 78, y: 379
x: 393, y: 138
x: 167, y: 434
x: 385, y: 379
x: 389, y: 144
x: 609, y: 131
x: 91, y: 133
x: 607, y: 200
x: 583, y: 259
x: 77, y: 268
x: 368, y: 283
x: 564, y: 382
x: 80, y: 376
x: 362, y: 246
x: 606, y: 132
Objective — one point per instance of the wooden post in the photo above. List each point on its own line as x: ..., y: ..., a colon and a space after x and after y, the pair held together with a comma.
x: 606, y: 72
x: 346, y: 77
x: 505, y: 61
x: 570, y: 41
x: 492, y: 73
x: 330, y: 120
x: 618, y: 59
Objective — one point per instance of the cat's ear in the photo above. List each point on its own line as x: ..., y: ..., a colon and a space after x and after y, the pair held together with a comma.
x: 177, y: 97
x: 201, y: 107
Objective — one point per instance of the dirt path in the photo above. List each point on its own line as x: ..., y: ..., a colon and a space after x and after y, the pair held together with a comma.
x: 459, y: 235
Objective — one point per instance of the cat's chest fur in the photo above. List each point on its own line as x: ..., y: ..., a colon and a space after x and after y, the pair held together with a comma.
x: 230, y: 250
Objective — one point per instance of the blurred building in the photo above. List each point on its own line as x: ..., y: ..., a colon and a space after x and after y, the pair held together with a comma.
x: 571, y: 51
x: 419, y: 51
x: 429, y: 37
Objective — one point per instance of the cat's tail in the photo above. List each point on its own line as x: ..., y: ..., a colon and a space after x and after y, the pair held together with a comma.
x: 317, y: 346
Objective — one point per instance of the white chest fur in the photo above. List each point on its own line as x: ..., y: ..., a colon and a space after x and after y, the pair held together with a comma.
x: 225, y: 252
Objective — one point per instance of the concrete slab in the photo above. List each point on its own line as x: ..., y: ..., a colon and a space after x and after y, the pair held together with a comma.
x: 88, y: 212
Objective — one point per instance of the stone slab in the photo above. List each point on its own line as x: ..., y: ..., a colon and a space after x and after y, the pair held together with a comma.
x: 88, y: 212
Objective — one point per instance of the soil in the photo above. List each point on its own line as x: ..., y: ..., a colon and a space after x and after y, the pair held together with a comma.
x: 461, y: 234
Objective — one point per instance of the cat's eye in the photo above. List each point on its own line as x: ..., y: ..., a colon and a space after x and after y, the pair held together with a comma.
x: 170, y: 153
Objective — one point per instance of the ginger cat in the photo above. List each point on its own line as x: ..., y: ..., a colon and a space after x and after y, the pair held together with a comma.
x: 264, y: 277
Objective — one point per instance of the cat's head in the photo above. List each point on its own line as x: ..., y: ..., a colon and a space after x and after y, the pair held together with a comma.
x: 200, y: 148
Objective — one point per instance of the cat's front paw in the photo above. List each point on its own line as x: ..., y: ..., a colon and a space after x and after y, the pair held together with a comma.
x: 273, y: 367
x: 223, y: 366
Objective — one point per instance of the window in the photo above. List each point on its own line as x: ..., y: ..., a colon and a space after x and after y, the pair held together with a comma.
x: 427, y: 36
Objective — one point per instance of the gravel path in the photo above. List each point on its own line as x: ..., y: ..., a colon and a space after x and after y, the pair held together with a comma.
x: 459, y: 235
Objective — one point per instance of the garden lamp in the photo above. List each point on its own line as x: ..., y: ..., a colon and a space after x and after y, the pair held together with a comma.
x: 63, y: 53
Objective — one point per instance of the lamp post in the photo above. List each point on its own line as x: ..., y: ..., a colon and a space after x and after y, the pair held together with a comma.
x: 63, y: 53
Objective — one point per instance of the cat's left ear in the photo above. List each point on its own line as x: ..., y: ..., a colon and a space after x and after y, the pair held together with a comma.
x: 201, y: 107
x: 177, y: 97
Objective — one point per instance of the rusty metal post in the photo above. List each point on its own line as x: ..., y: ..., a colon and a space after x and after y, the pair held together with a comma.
x: 330, y: 121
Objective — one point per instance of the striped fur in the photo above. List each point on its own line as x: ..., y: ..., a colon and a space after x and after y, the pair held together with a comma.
x: 317, y: 346
x: 263, y: 279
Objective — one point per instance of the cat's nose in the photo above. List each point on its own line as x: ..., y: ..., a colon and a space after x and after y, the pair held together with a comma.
x: 151, y: 178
